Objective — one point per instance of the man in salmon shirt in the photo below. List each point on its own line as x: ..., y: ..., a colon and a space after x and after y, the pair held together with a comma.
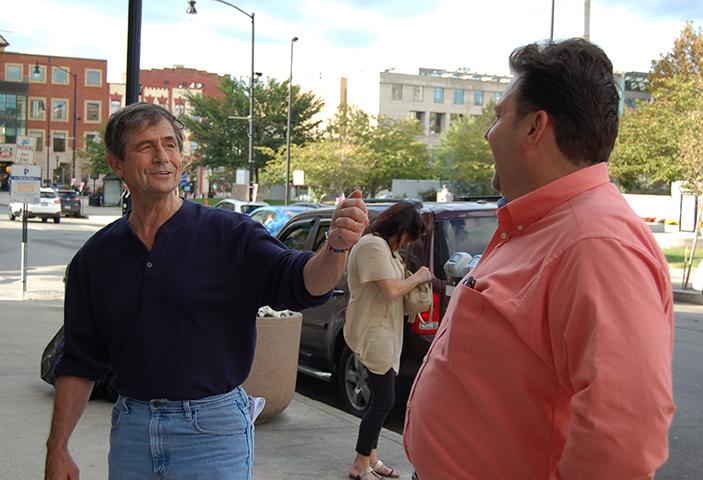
x: 553, y: 360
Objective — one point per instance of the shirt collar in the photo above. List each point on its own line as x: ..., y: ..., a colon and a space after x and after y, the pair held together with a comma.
x: 527, y: 209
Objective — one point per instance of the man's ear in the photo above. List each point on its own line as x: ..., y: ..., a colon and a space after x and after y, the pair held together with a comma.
x: 538, y: 127
x: 115, y: 164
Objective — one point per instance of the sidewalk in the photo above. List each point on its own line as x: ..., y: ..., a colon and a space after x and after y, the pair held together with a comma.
x: 308, y: 440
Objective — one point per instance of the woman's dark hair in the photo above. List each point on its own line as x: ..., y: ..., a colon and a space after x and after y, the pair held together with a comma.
x: 401, y: 218
x: 572, y: 81
x: 123, y: 121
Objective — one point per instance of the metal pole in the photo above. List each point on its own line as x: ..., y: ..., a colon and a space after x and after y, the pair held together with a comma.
x: 75, y: 118
x: 49, y: 111
x: 134, y: 32
x: 551, y: 31
x: 587, y: 20
x: 290, y: 103
x: 23, y: 267
x: 251, y: 116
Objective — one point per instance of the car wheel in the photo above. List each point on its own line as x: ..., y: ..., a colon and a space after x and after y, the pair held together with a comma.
x: 354, y: 388
x: 12, y: 217
x: 57, y: 219
x: 44, y: 220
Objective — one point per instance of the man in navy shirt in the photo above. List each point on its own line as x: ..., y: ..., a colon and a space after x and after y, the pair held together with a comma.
x: 167, y: 298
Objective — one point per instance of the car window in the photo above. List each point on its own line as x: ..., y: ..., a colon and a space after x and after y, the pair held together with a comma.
x: 247, y: 209
x: 47, y: 194
x: 320, y: 238
x: 68, y: 194
x: 461, y: 234
x: 295, y: 236
x: 226, y: 206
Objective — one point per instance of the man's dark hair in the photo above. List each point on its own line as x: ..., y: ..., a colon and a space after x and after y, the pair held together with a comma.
x: 572, y: 81
x: 403, y: 217
x: 123, y: 121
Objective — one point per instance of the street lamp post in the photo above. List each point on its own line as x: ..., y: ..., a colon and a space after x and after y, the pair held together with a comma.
x: 75, y: 120
x: 191, y: 10
x: 290, y: 102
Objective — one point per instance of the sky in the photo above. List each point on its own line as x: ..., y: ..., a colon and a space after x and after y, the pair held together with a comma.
x: 356, y: 39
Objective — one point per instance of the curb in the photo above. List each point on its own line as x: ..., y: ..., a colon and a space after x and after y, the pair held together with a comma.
x: 688, y: 296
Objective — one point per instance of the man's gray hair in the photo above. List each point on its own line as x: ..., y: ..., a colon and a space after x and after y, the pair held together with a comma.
x: 134, y: 116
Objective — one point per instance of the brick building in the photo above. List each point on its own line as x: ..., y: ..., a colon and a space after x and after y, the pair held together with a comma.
x: 38, y: 95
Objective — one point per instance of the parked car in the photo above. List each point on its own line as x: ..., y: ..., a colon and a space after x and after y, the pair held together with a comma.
x: 452, y: 227
x: 49, y: 206
x: 71, y: 203
x: 307, y: 204
x: 239, y: 206
x: 273, y: 218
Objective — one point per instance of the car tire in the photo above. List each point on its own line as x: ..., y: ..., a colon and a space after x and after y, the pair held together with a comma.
x: 12, y: 217
x: 352, y: 379
x: 57, y: 219
x: 44, y: 220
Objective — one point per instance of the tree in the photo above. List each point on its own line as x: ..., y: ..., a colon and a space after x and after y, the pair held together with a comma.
x: 684, y: 60
x: 464, y: 155
x: 355, y: 152
x: 223, y: 141
x: 96, y: 154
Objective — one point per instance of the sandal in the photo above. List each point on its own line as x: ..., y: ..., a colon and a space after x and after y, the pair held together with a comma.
x: 390, y: 473
x: 364, y: 475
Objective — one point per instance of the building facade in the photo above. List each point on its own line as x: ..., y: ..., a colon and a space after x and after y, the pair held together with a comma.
x: 60, y: 101
x: 169, y: 87
x: 436, y: 98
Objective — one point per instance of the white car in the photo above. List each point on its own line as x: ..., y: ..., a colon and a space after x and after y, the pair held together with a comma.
x: 49, y: 206
x: 239, y: 206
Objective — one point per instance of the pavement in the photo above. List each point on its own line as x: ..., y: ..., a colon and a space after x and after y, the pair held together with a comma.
x: 309, y: 439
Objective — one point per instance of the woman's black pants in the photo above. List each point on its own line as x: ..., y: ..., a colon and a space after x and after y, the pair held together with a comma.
x: 380, y: 405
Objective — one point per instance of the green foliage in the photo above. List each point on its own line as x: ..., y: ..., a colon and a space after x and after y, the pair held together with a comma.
x: 659, y: 141
x: 96, y: 154
x: 355, y: 153
x: 224, y: 141
x: 464, y: 155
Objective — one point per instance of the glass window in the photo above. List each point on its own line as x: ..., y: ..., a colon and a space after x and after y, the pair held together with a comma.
x: 296, y: 236
x: 114, y: 106
x: 59, y: 76
x: 13, y: 72
x: 92, y: 111
x: 93, y: 78
x: 59, y: 109
x: 59, y: 141
x: 397, y: 91
x: 455, y: 116
x: 37, y: 108
x: 478, y: 97
x: 39, y: 135
x: 418, y: 93
x: 458, y: 96
x: 38, y: 74
x: 497, y: 95
x: 179, y: 110
x: 439, y: 95
x: 436, y: 122
x: 470, y: 235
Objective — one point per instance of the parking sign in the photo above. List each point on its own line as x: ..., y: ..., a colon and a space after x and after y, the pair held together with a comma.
x: 25, y: 183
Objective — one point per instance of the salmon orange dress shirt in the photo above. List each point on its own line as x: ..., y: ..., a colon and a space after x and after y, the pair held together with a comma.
x: 553, y: 360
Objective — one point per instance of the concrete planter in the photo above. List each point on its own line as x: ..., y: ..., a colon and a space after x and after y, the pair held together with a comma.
x: 275, y: 367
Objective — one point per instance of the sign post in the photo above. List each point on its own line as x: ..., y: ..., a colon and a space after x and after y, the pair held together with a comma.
x: 25, y: 187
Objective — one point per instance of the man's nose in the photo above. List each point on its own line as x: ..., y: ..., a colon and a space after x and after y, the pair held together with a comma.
x: 160, y: 154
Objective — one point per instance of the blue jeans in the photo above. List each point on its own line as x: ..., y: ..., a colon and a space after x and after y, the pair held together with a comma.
x: 198, y: 439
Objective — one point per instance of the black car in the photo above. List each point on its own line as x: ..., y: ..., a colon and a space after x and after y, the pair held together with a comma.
x: 71, y: 203
x: 452, y: 227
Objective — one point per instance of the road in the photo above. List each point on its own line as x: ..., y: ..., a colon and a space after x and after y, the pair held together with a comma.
x: 51, y: 247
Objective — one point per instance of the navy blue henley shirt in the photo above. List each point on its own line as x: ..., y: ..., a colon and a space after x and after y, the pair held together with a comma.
x: 179, y: 321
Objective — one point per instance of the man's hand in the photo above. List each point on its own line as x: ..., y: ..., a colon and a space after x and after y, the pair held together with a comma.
x: 349, y: 221
x: 60, y: 465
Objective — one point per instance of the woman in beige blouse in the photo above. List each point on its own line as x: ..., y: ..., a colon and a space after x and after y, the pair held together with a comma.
x: 374, y: 322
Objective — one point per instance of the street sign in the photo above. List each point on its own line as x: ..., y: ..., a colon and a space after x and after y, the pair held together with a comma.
x: 24, y: 152
x: 7, y: 152
x: 298, y: 177
x: 25, y: 182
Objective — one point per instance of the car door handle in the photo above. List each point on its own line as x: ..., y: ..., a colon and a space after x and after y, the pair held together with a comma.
x: 337, y: 292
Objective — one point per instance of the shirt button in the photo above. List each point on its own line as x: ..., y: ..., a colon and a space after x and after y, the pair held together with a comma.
x: 149, y: 264
x: 520, y: 228
x: 503, y: 235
